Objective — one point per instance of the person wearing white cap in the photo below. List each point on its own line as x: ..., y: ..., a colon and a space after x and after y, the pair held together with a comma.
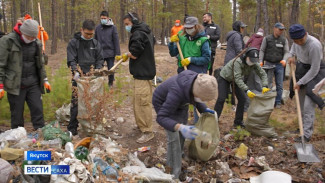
x: 171, y: 99
x: 22, y: 73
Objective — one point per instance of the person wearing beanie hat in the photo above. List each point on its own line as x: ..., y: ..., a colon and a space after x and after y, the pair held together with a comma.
x: 170, y: 101
x: 233, y: 73
x: 41, y: 31
x: 22, y: 73
x: 176, y: 28
x: 310, y: 69
x: 274, y: 52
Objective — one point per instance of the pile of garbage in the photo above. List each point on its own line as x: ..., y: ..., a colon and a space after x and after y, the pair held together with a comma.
x: 91, y: 159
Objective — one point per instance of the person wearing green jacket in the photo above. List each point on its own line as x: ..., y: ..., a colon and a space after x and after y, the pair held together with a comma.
x: 22, y: 73
x: 234, y: 71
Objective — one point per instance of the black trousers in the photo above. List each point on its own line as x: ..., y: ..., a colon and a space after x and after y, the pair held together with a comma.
x: 73, y: 123
x: 110, y: 64
x: 33, y: 96
x: 213, y: 54
x: 223, y: 90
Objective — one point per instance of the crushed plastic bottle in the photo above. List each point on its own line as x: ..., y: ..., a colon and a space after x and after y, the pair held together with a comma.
x: 110, y: 172
x: 242, y: 151
x: 55, y: 143
x: 24, y: 143
x: 204, y: 137
x: 81, y: 152
x: 69, y: 149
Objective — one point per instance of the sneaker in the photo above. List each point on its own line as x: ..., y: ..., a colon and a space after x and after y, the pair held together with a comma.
x: 241, y: 124
x: 146, y: 136
x: 298, y: 139
x: 74, y: 132
x: 278, y: 106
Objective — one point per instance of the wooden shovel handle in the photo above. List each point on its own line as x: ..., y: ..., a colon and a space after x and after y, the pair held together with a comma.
x: 180, y: 53
x: 118, y: 63
x: 297, y: 100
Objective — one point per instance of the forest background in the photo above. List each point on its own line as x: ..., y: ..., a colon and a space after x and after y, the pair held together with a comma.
x: 62, y: 18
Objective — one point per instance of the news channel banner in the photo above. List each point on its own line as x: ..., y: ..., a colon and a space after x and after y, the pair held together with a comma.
x: 32, y: 169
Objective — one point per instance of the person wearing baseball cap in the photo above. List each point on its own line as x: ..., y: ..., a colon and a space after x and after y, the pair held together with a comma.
x: 274, y: 52
x: 234, y: 72
x: 195, y: 47
x: 310, y: 69
x: 22, y: 73
x: 176, y: 28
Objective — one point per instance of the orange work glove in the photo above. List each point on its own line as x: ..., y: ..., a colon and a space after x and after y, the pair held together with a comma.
x: 2, y: 91
x: 47, y: 85
x: 283, y: 62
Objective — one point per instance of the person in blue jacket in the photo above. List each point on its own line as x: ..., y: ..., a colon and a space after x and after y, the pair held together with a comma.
x: 171, y: 100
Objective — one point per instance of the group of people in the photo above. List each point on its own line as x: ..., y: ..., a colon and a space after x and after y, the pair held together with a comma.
x: 23, y: 76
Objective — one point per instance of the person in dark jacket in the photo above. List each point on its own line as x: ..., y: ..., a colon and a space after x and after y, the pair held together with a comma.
x: 171, y: 100
x: 212, y: 32
x: 82, y: 51
x: 142, y: 67
x: 235, y: 42
x: 274, y: 52
x: 106, y: 34
x: 22, y: 73
x: 256, y: 39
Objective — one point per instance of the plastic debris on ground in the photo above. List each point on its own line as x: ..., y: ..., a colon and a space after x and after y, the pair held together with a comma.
x: 144, y: 149
x: 271, y: 177
x: 63, y: 114
x: 6, y: 171
x: 53, y: 131
x: 261, y: 161
x: 16, y: 134
x: 242, y: 151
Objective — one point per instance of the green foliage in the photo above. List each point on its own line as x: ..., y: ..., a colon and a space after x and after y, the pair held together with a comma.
x: 320, y: 117
x: 240, y: 133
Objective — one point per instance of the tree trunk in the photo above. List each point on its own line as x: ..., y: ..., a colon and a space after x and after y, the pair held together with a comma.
x: 66, y: 22
x: 274, y: 12
x: 234, y: 10
x: 207, y: 6
x: 73, y: 16
x: 266, y: 18
x: 280, y: 11
x: 4, y: 16
x: 54, y: 31
x: 322, y: 22
x: 163, y: 23
x: 122, y: 13
x: 294, y: 12
x: 22, y: 8
x: 258, y: 15
x: 14, y: 10
x: 185, y: 7
x: 309, y: 29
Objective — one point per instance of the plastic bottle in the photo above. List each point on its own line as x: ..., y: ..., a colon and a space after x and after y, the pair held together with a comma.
x: 55, y: 143
x: 24, y: 143
x: 81, y: 152
x: 110, y: 172
x: 69, y: 149
x: 204, y: 137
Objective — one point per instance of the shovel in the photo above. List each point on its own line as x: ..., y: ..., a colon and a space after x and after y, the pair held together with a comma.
x: 180, y: 53
x: 305, y: 152
x: 105, y: 72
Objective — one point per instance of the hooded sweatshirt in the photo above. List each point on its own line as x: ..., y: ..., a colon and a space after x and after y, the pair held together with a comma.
x: 255, y: 41
x: 141, y: 45
x: 85, y: 53
x: 172, y: 97
x: 235, y: 42
x: 108, y: 37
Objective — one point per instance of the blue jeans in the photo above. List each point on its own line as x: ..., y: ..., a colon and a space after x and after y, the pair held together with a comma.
x: 278, y: 72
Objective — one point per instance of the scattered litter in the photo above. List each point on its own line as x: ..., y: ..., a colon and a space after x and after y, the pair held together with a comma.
x: 271, y: 176
x: 63, y: 114
x: 270, y: 148
x: 24, y: 143
x: 160, y: 150
x: 81, y: 152
x: 69, y: 149
x: 228, y: 136
x: 251, y: 161
x: 222, y: 168
x: 11, y: 154
x: 120, y: 120
x: 55, y: 143
x: 6, y: 171
x: 53, y: 131
x: 144, y: 149
x: 242, y: 151
x: 261, y: 161
x: 16, y: 134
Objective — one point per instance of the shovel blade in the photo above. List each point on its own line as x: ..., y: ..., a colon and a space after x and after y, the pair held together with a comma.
x: 306, y: 153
